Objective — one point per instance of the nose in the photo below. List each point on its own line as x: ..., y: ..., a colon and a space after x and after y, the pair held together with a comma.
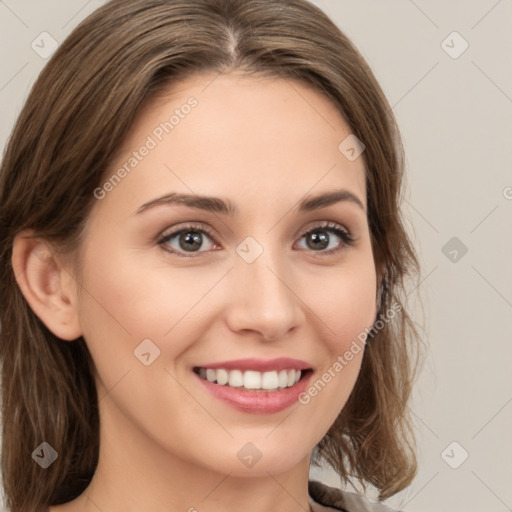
x: 262, y: 299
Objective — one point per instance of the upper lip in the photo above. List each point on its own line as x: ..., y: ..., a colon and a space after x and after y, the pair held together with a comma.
x: 261, y: 365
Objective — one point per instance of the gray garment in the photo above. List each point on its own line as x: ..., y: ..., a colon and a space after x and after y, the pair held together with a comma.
x: 324, y: 498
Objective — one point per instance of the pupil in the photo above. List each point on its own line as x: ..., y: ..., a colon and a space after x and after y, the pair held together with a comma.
x: 319, y: 240
x: 191, y: 240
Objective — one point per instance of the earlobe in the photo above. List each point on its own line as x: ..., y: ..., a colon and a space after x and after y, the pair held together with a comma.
x: 47, y: 285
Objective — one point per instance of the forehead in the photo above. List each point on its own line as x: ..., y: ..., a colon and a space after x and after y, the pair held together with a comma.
x: 235, y: 135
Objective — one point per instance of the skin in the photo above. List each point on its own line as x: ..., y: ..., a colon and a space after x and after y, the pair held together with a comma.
x: 165, y: 442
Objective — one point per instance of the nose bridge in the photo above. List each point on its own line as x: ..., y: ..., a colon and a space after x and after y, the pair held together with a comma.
x: 263, y: 299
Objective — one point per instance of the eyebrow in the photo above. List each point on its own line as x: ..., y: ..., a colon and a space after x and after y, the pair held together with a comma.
x: 226, y: 207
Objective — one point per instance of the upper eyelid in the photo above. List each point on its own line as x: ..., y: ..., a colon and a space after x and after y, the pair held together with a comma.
x: 188, y: 227
x: 327, y: 224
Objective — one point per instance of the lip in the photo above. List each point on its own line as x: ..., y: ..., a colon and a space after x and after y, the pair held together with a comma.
x: 258, y: 402
x: 259, y: 365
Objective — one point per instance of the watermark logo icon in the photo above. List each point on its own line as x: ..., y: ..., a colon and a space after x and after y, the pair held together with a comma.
x: 454, y: 455
x: 249, y: 455
x: 45, y: 455
x: 44, y: 45
x: 249, y: 249
x: 42, y: 254
x: 351, y: 147
x: 147, y: 352
x: 454, y: 249
x: 454, y: 45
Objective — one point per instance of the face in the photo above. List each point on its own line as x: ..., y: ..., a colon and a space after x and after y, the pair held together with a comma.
x: 182, y: 292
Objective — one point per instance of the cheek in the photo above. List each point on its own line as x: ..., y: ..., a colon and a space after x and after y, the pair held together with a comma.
x: 345, y: 303
x: 122, y: 308
x: 127, y: 299
x: 345, y: 307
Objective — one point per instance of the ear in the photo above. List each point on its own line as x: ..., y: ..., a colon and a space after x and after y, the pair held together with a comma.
x: 49, y: 288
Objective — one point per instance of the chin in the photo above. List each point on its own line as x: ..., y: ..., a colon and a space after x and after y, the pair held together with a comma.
x: 260, y: 457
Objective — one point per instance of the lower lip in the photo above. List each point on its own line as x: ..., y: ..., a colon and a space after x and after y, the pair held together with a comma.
x: 262, y: 402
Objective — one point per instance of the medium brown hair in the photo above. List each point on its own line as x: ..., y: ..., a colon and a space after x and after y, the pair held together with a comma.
x: 77, y: 116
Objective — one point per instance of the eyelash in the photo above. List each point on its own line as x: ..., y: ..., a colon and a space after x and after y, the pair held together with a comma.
x: 346, y: 237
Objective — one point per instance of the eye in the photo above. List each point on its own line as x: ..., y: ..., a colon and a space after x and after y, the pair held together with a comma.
x: 325, y: 239
x: 321, y: 239
x: 189, y: 239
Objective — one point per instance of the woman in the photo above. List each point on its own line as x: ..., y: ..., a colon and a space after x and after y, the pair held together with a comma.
x: 202, y: 257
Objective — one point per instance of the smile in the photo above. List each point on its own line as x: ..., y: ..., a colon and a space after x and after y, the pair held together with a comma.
x: 251, y: 379
x: 254, y: 385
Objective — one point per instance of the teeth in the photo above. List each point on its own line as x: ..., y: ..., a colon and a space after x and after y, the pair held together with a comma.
x: 282, y: 379
x: 269, y: 380
x: 252, y: 379
x: 222, y: 377
x: 236, y: 378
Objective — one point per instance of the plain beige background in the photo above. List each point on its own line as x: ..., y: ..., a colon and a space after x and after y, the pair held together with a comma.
x: 452, y: 95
